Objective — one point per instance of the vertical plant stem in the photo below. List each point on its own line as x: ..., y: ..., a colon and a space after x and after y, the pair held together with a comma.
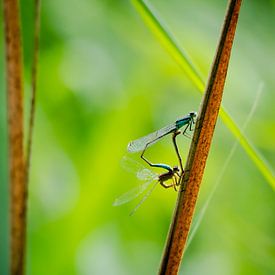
x: 15, y: 135
x: 34, y: 85
x: 167, y: 39
x: 200, y: 146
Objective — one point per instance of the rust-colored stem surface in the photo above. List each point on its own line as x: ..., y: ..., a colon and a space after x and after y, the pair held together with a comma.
x: 15, y: 130
x: 200, y: 146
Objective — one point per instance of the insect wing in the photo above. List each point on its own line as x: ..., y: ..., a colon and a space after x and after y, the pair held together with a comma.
x: 146, y: 175
x: 140, y: 144
x: 132, y: 194
x: 144, y: 198
x: 137, y: 168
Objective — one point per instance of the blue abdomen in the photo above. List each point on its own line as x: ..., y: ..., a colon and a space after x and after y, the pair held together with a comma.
x: 164, y: 166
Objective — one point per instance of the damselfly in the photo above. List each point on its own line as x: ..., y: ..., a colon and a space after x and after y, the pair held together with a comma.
x: 149, y: 178
x: 143, y: 143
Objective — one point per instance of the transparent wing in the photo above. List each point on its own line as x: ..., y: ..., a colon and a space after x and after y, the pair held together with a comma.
x: 144, y: 198
x: 146, y: 175
x: 141, y: 173
x: 132, y: 194
x: 139, y: 144
x: 138, y: 169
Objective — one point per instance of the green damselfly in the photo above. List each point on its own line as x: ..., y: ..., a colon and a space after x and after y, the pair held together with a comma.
x: 143, y: 143
x: 149, y: 178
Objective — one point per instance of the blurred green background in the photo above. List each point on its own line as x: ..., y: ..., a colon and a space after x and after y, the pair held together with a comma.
x: 104, y: 80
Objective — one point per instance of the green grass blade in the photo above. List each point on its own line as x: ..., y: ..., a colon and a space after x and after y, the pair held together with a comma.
x: 170, y: 43
x: 249, y: 148
x: 184, y: 61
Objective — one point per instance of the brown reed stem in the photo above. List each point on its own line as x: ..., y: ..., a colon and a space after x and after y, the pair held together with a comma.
x: 200, y: 146
x: 18, y: 189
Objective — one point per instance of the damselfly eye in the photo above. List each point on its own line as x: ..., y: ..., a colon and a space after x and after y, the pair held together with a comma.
x: 193, y: 114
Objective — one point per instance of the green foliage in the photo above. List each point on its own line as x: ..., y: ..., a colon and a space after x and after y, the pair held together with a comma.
x: 103, y: 81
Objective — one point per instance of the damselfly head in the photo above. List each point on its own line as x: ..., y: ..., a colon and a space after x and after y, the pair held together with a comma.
x: 193, y: 114
x: 176, y: 169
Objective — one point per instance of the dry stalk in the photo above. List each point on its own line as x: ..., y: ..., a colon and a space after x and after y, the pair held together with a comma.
x: 18, y: 188
x: 200, y: 146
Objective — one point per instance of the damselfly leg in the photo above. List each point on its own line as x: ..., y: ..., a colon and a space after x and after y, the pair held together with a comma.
x: 177, y: 149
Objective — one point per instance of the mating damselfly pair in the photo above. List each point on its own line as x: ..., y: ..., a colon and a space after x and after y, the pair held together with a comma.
x: 172, y: 174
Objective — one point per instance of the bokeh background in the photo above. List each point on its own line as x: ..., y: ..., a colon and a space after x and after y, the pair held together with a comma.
x: 104, y: 80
